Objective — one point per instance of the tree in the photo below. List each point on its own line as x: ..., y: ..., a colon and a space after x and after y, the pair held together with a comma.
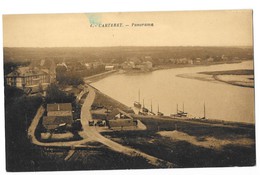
x: 55, y: 95
x: 70, y: 78
x: 18, y: 115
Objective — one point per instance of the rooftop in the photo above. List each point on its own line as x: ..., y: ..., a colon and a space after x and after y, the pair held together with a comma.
x: 59, y: 113
x: 26, y: 71
x: 54, y: 122
x: 59, y: 107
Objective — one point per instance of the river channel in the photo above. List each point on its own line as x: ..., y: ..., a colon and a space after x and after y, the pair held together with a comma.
x: 165, y: 89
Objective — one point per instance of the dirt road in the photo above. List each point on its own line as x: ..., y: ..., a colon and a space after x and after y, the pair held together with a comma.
x: 31, y: 134
x: 91, y: 134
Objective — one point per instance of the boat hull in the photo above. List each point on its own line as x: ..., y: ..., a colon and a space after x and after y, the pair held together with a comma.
x: 137, y: 105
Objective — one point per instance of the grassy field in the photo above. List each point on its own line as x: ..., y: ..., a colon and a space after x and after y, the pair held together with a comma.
x: 96, y: 157
x: 186, y: 154
x: 206, y: 144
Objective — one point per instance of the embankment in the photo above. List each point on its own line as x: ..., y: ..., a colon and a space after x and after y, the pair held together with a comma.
x: 97, y: 77
x: 109, y: 102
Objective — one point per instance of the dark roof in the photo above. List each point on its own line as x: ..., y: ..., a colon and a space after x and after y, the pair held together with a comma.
x: 59, y: 113
x: 25, y: 72
x: 51, y: 122
x: 59, y: 107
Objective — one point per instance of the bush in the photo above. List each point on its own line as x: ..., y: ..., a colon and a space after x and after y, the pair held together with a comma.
x: 18, y: 116
x: 69, y: 79
x: 55, y: 95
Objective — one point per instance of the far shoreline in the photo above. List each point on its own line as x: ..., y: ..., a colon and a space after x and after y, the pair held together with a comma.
x: 100, y: 76
x: 109, y: 73
x: 215, y: 76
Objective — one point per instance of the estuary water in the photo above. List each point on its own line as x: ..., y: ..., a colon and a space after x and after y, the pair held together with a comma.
x: 164, y: 88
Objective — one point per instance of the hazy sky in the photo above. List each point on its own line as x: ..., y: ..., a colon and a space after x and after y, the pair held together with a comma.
x: 199, y: 28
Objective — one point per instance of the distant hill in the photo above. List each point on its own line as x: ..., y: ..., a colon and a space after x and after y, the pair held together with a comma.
x: 120, y: 54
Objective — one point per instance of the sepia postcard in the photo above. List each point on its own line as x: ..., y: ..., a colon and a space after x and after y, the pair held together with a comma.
x: 136, y: 90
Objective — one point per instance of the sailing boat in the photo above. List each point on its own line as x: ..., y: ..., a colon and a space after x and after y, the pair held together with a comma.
x: 151, y: 111
x: 180, y: 113
x: 138, y: 104
x: 204, y: 117
x: 159, y: 113
x: 177, y: 112
x: 145, y: 110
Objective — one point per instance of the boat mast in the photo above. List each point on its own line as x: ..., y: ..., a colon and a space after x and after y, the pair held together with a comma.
x: 143, y: 103
x: 204, y: 110
x: 182, y: 107
x: 151, y: 106
x: 139, y: 96
x: 177, y: 108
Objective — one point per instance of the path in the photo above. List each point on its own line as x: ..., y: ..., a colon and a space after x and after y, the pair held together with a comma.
x: 34, y: 124
x: 91, y: 134
x: 31, y: 134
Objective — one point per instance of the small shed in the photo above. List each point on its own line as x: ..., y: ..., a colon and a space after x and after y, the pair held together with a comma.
x: 58, y: 114
x: 109, y: 67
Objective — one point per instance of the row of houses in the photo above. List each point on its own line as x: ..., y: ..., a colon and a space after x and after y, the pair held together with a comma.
x: 200, y: 60
x: 145, y: 65
x: 148, y: 65
x: 181, y: 61
x: 79, y: 66
x: 190, y: 61
x: 60, y: 115
x: 34, y: 79
x: 37, y: 77
x: 113, y: 118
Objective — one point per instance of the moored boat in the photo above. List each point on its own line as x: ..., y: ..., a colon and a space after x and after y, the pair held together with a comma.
x: 137, y: 104
x: 180, y: 113
x: 159, y: 113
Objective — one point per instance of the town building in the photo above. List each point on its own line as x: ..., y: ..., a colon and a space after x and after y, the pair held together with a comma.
x: 88, y: 66
x: 190, y: 61
x: 224, y: 58
x: 128, y: 65
x: 197, y: 60
x: 58, y: 114
x: 32, y: 80
x: 148, y: 64
x: 96, y: 64
x: 109, y: 67
x: 148, y: 58
x: 47, y: 65
x: 182, y: 61
x: 144, y: 66
x: 62, y: 66
x: 210, y: 59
